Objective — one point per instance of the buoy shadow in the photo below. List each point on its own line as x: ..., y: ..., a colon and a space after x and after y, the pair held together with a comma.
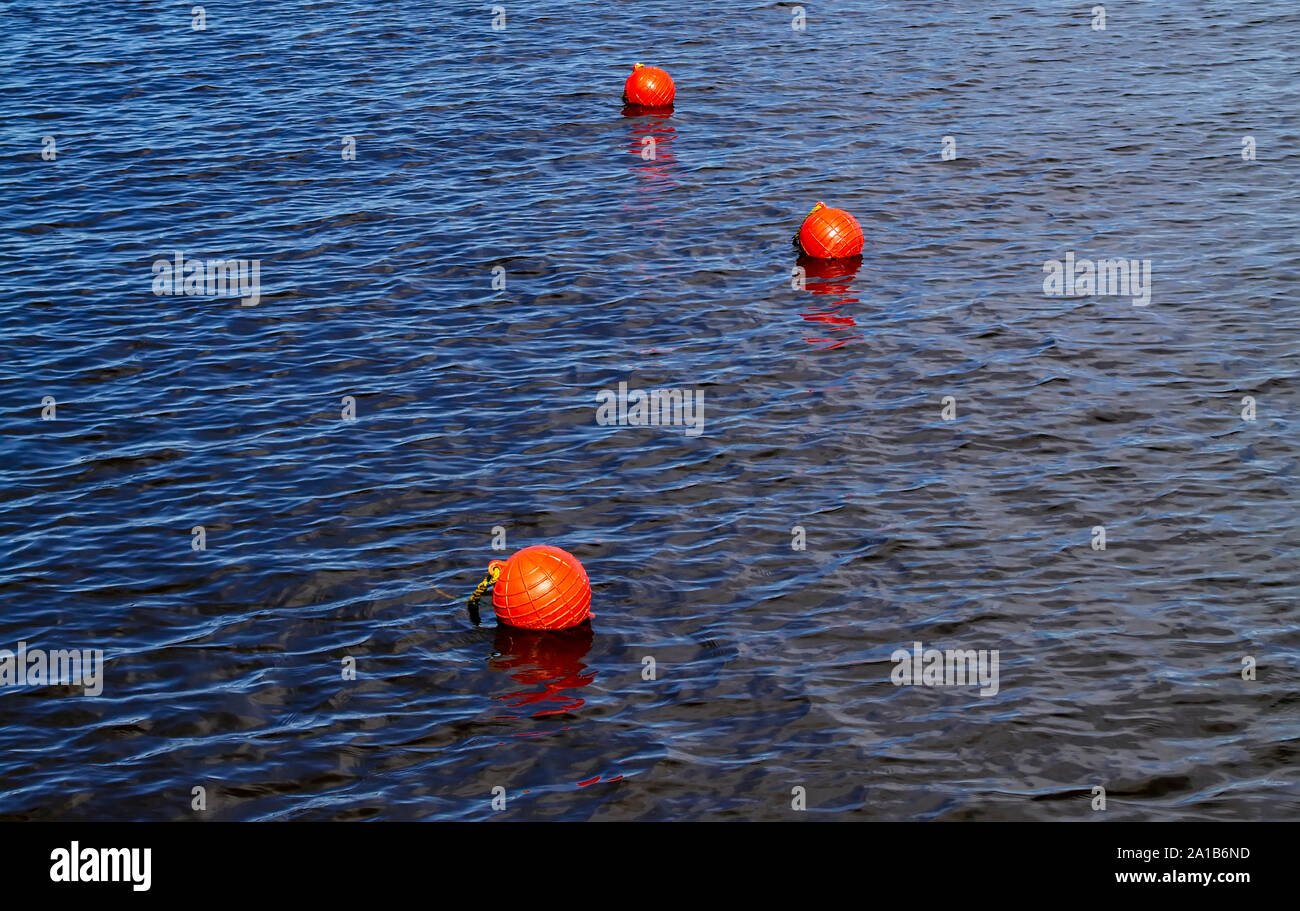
x: 828, y: 271
x: 647, y: 110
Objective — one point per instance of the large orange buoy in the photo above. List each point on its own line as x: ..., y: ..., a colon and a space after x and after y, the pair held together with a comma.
x: 541, y: 587
x: 649, y: 86
x: 829, y: 233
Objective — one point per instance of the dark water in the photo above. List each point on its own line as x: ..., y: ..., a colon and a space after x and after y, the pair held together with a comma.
x: 475, y: 408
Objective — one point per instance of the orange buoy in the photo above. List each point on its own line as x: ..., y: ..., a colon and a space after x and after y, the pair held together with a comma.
x: 541, y: 587
x: 649, y: 87
x: 829, y: 233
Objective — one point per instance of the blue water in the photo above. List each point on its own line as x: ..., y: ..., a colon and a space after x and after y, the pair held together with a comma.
x: 327, y: 539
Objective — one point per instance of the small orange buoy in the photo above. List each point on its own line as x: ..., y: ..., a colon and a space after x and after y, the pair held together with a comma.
x: 649, y: 87
x: 829, y: 233
x: 541, y: 587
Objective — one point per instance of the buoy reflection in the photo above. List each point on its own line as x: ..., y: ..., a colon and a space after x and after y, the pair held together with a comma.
x: 650, y: 140
x: 831, y: 283
x: 549, y: 663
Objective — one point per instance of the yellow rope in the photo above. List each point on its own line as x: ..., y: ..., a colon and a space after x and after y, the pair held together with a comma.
x: 799, y: 246
x: 494, y: 573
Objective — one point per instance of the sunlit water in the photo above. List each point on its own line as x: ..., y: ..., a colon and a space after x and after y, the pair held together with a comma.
x: 475, y: 407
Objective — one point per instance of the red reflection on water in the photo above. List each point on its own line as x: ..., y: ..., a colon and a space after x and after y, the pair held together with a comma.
x: 583, y: 784
x: 831, y: 278
x: 549, y: 664
x: 650, y: 140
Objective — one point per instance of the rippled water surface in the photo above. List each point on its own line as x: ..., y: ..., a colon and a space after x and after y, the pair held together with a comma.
x: 328, y: 539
